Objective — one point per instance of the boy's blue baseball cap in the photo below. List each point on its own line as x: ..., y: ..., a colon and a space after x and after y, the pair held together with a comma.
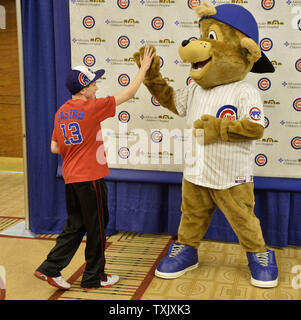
x: 241, y: 19
x: 80, y: 77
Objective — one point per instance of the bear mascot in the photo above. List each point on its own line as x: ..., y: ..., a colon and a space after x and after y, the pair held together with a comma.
x: 229, y: 112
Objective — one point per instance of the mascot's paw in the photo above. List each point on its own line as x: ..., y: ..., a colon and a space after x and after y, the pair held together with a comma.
x: 211, y: 126
x: 178, y: 260
x: 154, y: 69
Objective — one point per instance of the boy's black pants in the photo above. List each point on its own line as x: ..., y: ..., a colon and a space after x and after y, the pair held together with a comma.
x: 87, y: 213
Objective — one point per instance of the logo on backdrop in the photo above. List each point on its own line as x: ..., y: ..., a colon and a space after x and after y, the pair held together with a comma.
x: 124, y: 117
x: 266, y: 44
x: 296, y: 143
x: 124, y: 80
x: 157, y: 23
x: 261, y: 159
x: 123, y: 42
x: 123, y: 4
x: 161, y: 62
x: 298, y: 65
x: 124, y: 152
x: 156, y: 136
x: 188, y: 81
x: 297, y: 104
x: 155, y: 102
x: 266, y: 122
x: 264, y: 84
x: 89, y: 22
x: 89, y: 60
x: 268, y: 4
x: 255, y: 114
x: 227, y: 112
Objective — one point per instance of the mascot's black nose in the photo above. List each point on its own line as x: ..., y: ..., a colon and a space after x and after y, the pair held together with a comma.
x: 185, y: 43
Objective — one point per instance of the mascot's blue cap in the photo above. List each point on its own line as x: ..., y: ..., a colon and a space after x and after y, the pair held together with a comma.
x: 241, y: 19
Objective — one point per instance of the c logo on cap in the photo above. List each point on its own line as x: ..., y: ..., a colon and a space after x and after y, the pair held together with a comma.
x: 83, y: 79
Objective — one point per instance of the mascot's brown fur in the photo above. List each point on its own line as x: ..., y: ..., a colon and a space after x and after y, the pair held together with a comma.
x: 222, y: 56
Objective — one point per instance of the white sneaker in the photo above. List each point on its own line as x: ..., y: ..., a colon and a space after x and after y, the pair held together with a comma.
x: 58, y: 282
x: 111, y: 280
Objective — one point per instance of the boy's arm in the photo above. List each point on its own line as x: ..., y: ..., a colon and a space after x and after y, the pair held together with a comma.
x: 130, y: 92
x: 156, y: 84
x: 55, y: 147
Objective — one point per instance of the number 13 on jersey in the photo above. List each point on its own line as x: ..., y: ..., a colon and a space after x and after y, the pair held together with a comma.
x: 76, y: 136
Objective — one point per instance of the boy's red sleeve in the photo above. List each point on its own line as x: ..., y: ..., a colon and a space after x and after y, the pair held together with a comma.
x: 105, y: 108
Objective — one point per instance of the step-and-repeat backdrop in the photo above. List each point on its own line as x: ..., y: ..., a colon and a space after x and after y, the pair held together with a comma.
x: 143, y: 135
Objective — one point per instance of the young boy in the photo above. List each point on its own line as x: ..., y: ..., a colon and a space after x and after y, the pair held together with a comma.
x: 76, y: 125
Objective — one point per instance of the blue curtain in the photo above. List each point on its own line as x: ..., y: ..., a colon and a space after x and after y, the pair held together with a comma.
x: 46, y: 61
x: 138, y: 201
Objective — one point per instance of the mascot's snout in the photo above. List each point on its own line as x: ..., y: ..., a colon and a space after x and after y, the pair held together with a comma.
x: 196, y: 52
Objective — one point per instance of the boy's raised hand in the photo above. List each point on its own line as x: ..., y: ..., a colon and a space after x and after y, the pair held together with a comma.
x: 147, y: 58
x: 154, y: 67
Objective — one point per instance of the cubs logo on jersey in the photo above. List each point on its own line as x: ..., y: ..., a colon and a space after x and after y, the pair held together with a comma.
x: 255, y: 114
x: 227, y: 112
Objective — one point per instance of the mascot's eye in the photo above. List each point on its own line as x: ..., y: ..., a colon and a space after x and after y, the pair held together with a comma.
x: 212, y: 35
x: 201, y: 35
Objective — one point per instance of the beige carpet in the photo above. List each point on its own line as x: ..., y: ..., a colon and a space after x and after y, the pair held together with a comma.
x: 222, y: 273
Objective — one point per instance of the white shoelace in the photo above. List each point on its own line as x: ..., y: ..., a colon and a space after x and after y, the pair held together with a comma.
x: 176, y: 249
x: 263, y: 258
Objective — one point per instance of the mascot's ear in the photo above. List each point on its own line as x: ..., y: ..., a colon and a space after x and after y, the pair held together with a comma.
x: 205, y: 10
x: 253, y: 49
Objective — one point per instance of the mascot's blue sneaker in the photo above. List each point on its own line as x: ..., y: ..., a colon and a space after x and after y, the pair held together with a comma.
x: 263, y: 267
x: 178, y: 260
